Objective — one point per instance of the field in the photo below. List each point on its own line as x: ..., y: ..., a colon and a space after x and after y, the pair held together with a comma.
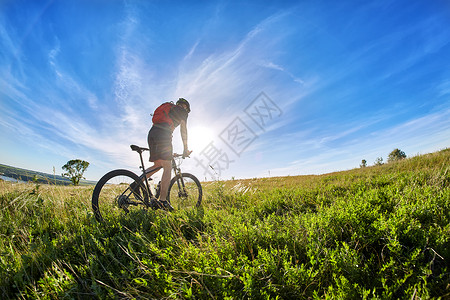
x: 372, y: 233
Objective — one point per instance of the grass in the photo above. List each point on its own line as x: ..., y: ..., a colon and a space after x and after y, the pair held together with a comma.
x: 371, y: 233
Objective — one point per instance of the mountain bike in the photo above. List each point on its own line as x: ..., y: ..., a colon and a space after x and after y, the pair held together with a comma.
x: 120, y: 190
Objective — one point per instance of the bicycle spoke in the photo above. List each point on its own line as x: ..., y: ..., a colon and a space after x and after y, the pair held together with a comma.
x: 117, y: 192
x: 185, y: 192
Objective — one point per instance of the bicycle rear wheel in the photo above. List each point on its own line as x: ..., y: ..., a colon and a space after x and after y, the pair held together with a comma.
x: 185, y: 191
x: 117, y: 192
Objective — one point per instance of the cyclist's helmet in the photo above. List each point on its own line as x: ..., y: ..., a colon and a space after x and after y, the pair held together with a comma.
x: 185, y: 102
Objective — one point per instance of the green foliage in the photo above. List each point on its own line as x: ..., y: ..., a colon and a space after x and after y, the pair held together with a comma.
x: 396, y: 155
x: 75, y: 169
x: 378, y: 161
x: 363, y: 163
x: 369, y: 233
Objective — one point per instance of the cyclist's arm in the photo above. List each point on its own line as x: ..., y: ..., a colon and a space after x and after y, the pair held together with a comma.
x: 183, y: 131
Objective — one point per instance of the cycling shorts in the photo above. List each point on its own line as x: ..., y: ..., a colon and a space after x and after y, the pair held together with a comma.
x: 160, y: 143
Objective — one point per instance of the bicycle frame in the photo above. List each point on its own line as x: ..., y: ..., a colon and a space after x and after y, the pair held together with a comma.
x: 175, y: 168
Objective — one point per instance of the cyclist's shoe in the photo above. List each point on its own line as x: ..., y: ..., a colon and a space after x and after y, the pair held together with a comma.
x: 166, y: 205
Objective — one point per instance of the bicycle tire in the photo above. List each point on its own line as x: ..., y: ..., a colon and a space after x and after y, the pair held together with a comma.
x: 190, y: 197
x: 113, y: 193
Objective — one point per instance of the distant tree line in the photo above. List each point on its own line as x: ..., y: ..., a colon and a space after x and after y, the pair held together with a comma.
x: 395, y: 155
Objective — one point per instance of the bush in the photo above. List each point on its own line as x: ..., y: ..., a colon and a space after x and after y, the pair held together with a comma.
x: 396, y: 155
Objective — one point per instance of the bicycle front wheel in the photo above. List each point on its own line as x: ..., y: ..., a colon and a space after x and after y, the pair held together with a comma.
x: 185, y: 191
x: 117, y: 192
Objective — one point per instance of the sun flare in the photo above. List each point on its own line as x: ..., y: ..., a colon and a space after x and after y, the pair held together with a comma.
x: 199, y: 137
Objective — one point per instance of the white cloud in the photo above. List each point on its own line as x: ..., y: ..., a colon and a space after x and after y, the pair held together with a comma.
x: 421, y: 135
x: 220, y: 84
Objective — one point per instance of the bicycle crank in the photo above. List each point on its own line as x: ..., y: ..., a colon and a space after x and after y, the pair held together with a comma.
x: 123, y: 202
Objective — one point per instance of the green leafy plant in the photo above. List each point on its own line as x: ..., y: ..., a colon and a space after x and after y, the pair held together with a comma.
x: 74, y: 170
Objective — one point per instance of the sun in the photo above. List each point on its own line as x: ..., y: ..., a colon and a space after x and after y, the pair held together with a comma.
x: 199, y: 137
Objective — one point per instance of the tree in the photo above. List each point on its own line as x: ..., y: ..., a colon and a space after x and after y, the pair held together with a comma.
x: 363, y: 163
x: 396, y: 155
x: 379, y: 161
x: 75, y: 169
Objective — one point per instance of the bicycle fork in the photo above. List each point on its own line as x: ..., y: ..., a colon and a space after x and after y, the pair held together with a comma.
x: 180, y: 181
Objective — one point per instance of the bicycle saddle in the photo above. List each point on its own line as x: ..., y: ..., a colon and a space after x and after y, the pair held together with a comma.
x: 138, y: 149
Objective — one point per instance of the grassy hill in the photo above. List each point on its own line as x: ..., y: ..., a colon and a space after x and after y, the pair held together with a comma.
x: 371, y: 233
x: 38, y: 177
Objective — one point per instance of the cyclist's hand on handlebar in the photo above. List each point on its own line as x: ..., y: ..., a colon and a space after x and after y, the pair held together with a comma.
x: 186, y: 153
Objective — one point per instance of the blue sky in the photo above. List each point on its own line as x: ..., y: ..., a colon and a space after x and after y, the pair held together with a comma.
x: 276, y: 87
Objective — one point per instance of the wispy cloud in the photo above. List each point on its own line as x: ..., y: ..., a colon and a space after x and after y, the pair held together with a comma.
x: 223, y: 80
x: 335, y: 89
x: 61, y: 122
x: 443, y: 88
x: 274, y: 66
x: 421, y: 135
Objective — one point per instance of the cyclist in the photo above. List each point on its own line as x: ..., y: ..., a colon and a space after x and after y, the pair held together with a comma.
x: 165, y: 119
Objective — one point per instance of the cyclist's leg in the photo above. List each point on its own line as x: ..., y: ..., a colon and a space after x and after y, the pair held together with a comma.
x: 152, y: 170
x: 160, y: 145
x: 165, y: 179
